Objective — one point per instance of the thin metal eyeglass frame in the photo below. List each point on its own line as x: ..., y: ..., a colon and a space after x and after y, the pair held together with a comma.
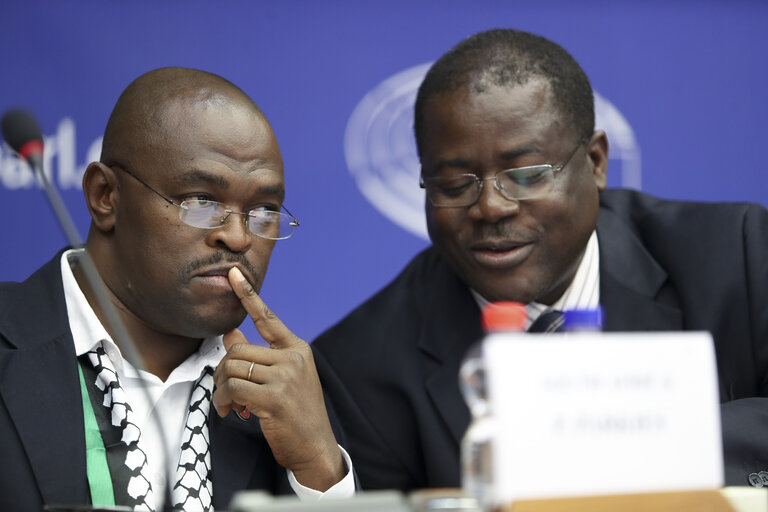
x: 480, y: 182
x: 294, y: 222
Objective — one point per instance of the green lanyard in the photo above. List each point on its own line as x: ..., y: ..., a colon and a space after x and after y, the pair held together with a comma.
x: 96, y: 468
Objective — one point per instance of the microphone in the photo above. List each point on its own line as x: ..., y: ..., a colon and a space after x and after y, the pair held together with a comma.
x: 22, y: 133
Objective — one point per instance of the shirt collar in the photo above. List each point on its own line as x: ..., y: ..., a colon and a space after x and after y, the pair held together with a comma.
x: 87, y: 331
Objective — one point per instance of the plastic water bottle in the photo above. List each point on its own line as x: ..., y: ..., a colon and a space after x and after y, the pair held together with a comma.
x: 477, y: 443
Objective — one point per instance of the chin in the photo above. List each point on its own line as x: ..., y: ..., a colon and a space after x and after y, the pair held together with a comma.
x: 210, y: 329
x: 208, y: 324
x: 508, y: 292
x: 222, y: 325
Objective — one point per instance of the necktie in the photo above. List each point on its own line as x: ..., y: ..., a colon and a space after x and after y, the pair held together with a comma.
x: 551, y: 321
x: 193, y: 489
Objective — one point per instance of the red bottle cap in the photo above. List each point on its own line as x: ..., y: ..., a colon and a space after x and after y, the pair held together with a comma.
x: 504, y: 316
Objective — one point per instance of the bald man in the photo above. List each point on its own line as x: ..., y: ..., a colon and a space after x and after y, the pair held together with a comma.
x: 186, y: 206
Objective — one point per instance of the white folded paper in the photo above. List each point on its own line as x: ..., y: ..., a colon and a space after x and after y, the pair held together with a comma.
x: 603, y: 413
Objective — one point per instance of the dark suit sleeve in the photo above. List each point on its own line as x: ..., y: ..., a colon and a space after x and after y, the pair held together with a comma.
x: 338, y: 430
x: 373, y: 460
x: 745, y: 419
x: 745, y: 438
x: 756, y: 244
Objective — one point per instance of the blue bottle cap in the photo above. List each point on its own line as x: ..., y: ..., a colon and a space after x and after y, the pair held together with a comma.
x: 583, y: 319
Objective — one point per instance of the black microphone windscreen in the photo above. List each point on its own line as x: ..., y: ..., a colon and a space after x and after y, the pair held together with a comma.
x: 19, y: 127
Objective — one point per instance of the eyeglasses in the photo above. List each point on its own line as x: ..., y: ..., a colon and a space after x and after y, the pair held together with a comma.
x: 206, y: 214
x: 516, y: 184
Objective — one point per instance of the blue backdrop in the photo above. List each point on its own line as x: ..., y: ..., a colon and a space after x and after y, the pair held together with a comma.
x: 681, y: 90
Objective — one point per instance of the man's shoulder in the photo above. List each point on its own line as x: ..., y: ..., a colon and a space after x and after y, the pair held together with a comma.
x: 646, y: 212
x: 49, y: 272
x: 40, y: 295
x: 633, y: 203
x: 677, y: 235
x: 396, y: 308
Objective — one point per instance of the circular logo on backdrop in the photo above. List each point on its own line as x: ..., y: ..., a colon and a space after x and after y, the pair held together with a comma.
x: 380, y: 149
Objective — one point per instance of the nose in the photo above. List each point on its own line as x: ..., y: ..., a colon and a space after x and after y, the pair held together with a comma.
x: 233, y: 234
x: 492, y: 206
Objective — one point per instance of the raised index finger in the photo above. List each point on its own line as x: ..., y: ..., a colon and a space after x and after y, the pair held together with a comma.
x: 269, y: 326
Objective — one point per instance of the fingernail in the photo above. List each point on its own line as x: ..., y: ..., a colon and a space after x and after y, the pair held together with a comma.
x: 235, y: 274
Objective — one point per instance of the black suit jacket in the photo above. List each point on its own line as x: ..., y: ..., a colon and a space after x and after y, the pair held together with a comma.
x: 42, y: 440
x: 391, y: 366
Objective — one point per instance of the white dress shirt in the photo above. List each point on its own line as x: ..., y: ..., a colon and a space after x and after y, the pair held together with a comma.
x: 169, y: 399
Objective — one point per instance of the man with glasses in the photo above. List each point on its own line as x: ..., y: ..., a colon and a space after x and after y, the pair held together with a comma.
x: 186, y: 206
x: 516, y: 206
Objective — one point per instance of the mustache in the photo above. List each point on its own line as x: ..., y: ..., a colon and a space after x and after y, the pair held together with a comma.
x: 218, y: 257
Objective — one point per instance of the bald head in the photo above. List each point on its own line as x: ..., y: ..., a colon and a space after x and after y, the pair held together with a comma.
x: 148, y: 110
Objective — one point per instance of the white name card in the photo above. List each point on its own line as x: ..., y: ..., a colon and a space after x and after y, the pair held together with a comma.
x: 584, y: 414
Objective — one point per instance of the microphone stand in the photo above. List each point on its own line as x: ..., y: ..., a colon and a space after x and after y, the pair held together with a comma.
x: 102, y: 298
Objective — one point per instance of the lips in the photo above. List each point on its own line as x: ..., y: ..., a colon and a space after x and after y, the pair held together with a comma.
x: 222, y: 270
x: 497, y: 245
x: 218, y: 276
x: 500, y: 254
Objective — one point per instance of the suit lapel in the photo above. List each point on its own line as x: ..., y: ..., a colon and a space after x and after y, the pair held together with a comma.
x: 634, y: 290
x: 40, y: 388
x: 238, y: 452
x: 452, y: 325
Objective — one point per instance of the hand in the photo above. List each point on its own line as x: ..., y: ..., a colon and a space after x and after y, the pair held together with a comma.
x: 283, y: 391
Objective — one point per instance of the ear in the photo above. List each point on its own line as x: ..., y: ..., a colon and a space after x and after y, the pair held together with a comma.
x: 597, y: 149
x: 102, y: 192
